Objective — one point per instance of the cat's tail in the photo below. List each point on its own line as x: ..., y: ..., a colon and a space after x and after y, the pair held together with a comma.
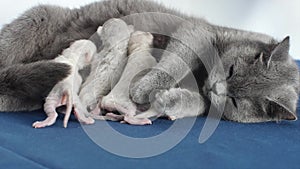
x: 31, y: 81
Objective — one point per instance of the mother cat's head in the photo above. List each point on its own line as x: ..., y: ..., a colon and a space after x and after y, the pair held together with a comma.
x: 261, y: 82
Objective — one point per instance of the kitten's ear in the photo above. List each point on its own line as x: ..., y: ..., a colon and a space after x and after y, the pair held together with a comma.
x: 280, y: 110
x: 281, y: 51
x: 99, y: 30
x: 131, y: 28
x: 88, y: 57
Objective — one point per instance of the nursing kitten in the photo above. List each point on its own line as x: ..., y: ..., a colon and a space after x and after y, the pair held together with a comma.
x: 108, y: 67
x: 65, y: 93
x: 139, y: 60
x: 261, y: 80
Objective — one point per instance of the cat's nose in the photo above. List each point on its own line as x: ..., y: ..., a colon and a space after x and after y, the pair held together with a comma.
x: 219, y: 88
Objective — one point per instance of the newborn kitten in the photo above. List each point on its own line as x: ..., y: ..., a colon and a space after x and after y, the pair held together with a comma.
x: 107, y: 69
x: 175, y: 103
x: 139, y: 59
x: 65, y: 92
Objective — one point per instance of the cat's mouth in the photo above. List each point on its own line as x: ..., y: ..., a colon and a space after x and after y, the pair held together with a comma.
x: 218, y: 88
x: 216, y: 92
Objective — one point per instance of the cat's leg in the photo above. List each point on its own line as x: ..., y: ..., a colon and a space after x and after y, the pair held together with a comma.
x: 13, y: 104
x: 23, y: 87
x: 193, y: 44
x: 29, y: 83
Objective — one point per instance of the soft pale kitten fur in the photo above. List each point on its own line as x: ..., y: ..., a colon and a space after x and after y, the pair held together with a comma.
x: 139, y: 59
x: 78, y: 55
x: 108, y: 67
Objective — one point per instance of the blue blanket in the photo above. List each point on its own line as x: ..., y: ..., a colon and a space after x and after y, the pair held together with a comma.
x: 233, y: 145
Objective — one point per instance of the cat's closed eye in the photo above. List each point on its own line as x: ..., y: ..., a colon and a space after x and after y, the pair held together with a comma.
x: 234, y: 102
x: 257, y: 56
x: 231, y: 69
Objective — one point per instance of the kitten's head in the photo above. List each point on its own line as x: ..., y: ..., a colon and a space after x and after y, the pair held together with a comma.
x: 83, y: 51
x: 115, y: 31
x: 140, y: 41
x: 261, y: 82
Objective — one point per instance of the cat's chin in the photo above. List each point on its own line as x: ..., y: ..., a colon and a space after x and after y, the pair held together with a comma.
x: 216, y: 93
x: 218, y: 101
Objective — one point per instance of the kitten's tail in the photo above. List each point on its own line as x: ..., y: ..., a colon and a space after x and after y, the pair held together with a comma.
x: 31, y: 81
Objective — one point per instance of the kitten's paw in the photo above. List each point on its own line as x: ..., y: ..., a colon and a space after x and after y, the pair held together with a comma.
x: 39, y: 124
x: 136, y: 121
x: 81, y: 115
x: 139, y: 95
x: 141, y: 91
x: 120, y: 104
x: 47, y: 122
x: 114, y: 117
x: 172, y: 118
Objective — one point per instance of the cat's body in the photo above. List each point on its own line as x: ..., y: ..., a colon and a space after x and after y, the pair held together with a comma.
x: 44, y: 31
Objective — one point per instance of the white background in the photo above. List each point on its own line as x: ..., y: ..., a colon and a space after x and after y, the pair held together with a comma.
x: 278, y: 18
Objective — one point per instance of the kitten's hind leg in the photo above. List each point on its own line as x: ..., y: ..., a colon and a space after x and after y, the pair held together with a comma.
x: 49, y: 121
x: 148, y: 114
x: 81, y: 113
x: 114, y: 117
x: 136, y: 121
x: 127, y: 108
x: 50, y: 109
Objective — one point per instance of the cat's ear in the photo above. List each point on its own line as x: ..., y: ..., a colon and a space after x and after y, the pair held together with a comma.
x: 281, y: 110
x: 281, y: 51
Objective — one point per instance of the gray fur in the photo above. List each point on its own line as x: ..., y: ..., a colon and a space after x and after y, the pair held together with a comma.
x: 175, y: 104
x: 265, y: 87
x: 264, y: 81
x: 28, y: 81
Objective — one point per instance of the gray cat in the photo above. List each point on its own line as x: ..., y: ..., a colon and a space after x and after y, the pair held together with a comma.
x: 260, y: 81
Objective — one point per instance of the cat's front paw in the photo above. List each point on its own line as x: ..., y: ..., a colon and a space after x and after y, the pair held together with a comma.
x: 141, y: 91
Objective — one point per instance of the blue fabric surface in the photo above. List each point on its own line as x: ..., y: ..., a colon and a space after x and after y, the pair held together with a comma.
x: 233, y: 145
